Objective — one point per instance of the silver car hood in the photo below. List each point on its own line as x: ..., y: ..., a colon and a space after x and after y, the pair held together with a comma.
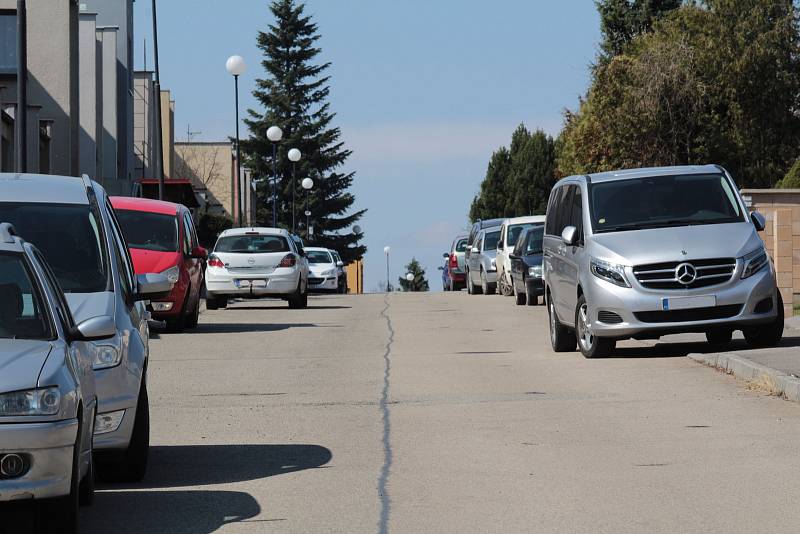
x: 87, y: 305
x: 21, y: 361
x: 656, y: 245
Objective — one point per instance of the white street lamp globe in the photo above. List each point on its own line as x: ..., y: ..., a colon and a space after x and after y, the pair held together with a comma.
x: 308, y: 213
x: 307, y: 183
x: 235, y: 65
x: 356, y: 229
x: 274, y: 134
x: 386, y: 250
x: 294, y: 155
x: 410, y: 277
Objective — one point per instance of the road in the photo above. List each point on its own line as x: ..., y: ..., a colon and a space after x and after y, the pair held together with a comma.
x: 439, y: 413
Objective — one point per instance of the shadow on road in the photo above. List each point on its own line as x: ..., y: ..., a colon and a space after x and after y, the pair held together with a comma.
x: 176, y: 512
x: 284, y: 308
x: 677, y: 349
x: 239, y: 328
x: 198, y: 465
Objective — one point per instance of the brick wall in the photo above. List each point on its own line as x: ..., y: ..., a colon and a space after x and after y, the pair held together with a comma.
x: 781, y: 207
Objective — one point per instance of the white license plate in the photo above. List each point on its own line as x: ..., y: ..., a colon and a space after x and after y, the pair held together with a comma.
x: 686, y: 303
x: 250, y: 283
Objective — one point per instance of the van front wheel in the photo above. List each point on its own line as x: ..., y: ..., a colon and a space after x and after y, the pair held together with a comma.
x: 767, y: 335
x: 589, y: 344
x: 561, y: 338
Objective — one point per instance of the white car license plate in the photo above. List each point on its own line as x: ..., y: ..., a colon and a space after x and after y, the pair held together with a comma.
x: 250, y: 283
x: 686, y: 303
x: 258, y: 283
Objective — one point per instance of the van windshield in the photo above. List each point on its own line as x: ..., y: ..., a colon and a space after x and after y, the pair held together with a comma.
x: 663, y: 201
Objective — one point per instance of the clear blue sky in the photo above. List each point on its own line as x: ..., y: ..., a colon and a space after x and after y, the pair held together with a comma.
x: 424, y: 91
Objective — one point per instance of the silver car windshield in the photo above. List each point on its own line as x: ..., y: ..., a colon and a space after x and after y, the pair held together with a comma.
x: 491, y: 239
x: 252, y: 244
x: 663, y: 201
x: 22, y: 315
x: 68, y: 235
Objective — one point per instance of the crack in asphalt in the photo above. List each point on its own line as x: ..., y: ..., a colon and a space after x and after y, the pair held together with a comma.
x: 383, y: 479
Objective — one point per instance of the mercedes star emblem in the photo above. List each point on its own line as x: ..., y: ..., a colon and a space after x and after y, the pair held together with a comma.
x: 685, y: 273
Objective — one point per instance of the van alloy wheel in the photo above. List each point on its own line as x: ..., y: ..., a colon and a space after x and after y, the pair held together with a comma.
x: 585, y: 335
x: 590, y: 345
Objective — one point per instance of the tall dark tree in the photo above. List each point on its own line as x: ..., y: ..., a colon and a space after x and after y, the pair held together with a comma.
x: 622, y: 20
x: 491, y: 200
x: 419, y: 283
x: 294, y: 96
x: 533, y: 162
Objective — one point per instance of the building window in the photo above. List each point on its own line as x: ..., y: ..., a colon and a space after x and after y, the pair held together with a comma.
x: 8, y: 42
x: 45, y: 135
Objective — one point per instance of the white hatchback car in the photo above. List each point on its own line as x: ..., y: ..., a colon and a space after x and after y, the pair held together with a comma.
x: 323, y: 270
x: 256, y: 263
x: 509, y: 233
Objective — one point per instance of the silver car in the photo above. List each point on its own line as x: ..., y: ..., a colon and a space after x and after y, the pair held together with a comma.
x: 71, y: 221
x: 48, y: 400
x: 481, y: 263
x: 648, y: 252
x: 256, y: 263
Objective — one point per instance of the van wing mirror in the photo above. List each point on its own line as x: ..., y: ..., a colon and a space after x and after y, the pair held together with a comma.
x: 759, y: 221
x: 569, y: 235
x: 152, y: 286
x: 96, y: 328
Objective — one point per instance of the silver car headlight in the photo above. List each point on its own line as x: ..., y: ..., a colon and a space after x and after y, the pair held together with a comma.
x: 46, y: 401
x: 754, y: 262
x: 610, y: 272
x: 172, y: 274
x: 329, y: 272
x: 105, y: 356
x: 535, y: 271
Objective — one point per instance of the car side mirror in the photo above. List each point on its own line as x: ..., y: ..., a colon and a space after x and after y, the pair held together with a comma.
x: 513, y: 256
x: 340, y: 264
x: 759, y: 221
x: 152, y: 286
x: 440, y: 268
x: 199, y: 253
x: 475, y: 250
x: 569, y: 235
x: 446, y: 255
x: 301, y: 252
x: 96, y: 328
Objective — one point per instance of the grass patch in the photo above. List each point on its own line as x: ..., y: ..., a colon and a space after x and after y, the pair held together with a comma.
x: 765, y: 384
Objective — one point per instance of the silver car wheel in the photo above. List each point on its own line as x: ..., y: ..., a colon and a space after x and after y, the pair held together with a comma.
x: 585, y: 335
x: 552, y: 313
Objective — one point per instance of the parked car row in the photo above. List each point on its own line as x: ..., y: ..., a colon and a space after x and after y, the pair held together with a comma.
x: 638, y: 254
x: 81, y: 276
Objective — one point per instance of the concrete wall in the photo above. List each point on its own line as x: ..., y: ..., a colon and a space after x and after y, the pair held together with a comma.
x: 210, y: 168
x: 781, y: 237
x: 107, y: 40
x: 90, y: 89
x: 168, y: 133
x: 53, y: 93
x: 143, y: 125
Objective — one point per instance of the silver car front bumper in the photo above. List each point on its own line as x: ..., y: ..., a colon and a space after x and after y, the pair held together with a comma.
x: 628, y: 302
x: 49, y: 448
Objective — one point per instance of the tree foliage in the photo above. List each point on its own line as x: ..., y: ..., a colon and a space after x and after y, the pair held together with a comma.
x: 622, y: 20
x: 518, y: 179
x: 294, y: 95
x: 419, y: 283
x: 713, y: 82
x: 792, y: 178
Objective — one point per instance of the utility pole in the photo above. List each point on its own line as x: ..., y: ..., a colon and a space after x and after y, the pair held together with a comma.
x: 157, y: 90
x: 21, y: 119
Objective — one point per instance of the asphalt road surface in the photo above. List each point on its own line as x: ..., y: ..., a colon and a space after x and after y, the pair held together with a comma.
x: 439, y: 413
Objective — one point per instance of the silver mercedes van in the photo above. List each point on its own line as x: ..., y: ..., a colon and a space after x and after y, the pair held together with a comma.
x: 643, y: 253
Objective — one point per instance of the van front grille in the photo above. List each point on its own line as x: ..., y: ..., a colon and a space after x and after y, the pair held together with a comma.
x: 694, y: 314
x: 698, y: 273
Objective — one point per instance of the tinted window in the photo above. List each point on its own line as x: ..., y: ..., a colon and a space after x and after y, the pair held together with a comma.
x: 534, y: 238
x: 21, y: 312
x: 252, y: 244
x: 149, y: 231
x: 8, y: 42
x: 576, y: 213
x: 69, y: 238
x: 553, y: 211
x: 461, y: 246
x: 663, y: 201
x: 318, y: 256
x: 515, y: 231
x: 490, y: 240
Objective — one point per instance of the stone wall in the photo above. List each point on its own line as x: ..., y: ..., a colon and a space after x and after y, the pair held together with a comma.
x: 781, y: 207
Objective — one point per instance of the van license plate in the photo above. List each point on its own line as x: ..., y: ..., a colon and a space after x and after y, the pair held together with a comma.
x: 686, y: 303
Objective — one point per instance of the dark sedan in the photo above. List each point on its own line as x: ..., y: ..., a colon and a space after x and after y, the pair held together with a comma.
x: 526, y: 266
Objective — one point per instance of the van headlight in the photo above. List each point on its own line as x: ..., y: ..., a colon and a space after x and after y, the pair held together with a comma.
x: 105, y: 356
x: 535, y: 271
x: 754, y: 262
x: 172, y: 274
x: 46, y: 401
x: 610, y: 272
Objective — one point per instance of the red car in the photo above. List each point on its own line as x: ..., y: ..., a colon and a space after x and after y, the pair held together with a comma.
x: 162, y: 239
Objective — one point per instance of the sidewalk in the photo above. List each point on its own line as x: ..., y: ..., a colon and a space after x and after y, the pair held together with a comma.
x: 776, y: 370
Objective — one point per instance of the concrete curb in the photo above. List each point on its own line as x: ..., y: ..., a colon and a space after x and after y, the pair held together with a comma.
x: 786, y: 386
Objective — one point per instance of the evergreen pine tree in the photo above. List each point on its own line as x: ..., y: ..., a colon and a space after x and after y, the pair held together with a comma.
x: 294, y: 96
x: 419, y: 283
x: 491, y: 201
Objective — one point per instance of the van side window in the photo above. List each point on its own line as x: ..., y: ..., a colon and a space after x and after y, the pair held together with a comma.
x: 551, y: 214
x: 576, y: 216
x: 564, y: 209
